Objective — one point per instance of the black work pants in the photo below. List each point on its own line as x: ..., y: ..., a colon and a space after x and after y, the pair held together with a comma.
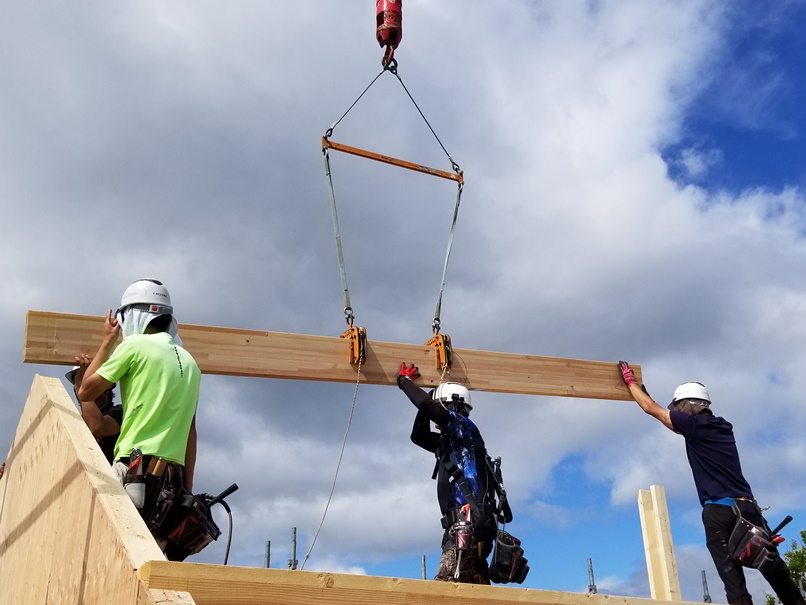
x: 719, y: 521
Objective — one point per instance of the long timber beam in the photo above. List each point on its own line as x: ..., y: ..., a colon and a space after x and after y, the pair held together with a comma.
x: 56, y: 338
x: 227, y: 585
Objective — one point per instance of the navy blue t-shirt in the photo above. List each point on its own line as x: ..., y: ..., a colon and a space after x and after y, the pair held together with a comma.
x: 712, y: 455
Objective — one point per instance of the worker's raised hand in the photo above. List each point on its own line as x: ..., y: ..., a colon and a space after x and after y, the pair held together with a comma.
x: 83, y: 361
x: 111, y: 327
x: 626, y: 373
x: 407, y: 372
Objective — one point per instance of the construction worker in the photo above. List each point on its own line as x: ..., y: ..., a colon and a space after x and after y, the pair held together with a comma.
x: 463, y: 490
x: 724, y: 493
x: 102, y: 416
x: 159, y: 388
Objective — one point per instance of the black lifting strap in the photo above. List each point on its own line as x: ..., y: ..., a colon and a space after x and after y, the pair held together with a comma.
x: 503, y: 512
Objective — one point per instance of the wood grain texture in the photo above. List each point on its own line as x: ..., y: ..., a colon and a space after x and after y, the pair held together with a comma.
x: 68, y: 531
x: 220, y: 585
x: 664, y: 583
x: 56, y: 338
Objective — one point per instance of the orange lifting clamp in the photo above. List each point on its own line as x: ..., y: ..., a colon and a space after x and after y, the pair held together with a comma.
x: 358, y: 344
x: 443, y: 350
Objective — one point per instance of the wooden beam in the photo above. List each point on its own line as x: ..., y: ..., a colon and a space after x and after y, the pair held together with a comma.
x: 664, y: 583
x: 228, y: 585
x: 56, y: 338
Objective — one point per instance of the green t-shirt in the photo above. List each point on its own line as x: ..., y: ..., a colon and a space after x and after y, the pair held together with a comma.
x: 159, y: 390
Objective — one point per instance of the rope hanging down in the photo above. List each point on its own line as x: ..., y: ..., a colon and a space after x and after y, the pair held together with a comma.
x: 442, y: 342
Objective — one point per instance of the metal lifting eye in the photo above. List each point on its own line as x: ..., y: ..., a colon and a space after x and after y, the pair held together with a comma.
x: 390, y: 64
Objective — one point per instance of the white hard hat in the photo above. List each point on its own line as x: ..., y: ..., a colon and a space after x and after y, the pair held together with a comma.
x: 691, y: 390
x: 148, y: 292
x: 447, y: 390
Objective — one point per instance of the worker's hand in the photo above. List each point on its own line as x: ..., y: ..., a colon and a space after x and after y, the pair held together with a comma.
x: 627, y: 373
x: 407, y: 372
x: 111, y: 327
x: 82, y: 361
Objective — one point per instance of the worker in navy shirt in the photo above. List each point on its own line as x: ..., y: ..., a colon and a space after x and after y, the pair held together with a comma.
x: 721, y: 487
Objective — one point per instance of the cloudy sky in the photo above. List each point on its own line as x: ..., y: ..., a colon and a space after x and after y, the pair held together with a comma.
x: 634, y: 190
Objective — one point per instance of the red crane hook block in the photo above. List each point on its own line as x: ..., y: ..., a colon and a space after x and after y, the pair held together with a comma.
x: 389, y: 26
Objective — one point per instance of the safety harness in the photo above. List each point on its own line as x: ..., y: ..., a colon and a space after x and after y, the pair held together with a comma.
x: 472, y: 524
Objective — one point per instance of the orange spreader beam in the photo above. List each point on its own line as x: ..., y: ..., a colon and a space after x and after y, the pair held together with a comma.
x: 451, y: 176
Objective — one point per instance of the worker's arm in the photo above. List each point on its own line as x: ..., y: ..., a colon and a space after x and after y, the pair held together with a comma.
x: 421, y: 433
x: 94, y: 385
x: 432, y: 409
x: 190, y: 456
x: 99, y: 424
x: 642, y: 398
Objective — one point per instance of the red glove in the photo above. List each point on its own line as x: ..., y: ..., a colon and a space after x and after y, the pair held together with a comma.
x: 627, y: 373
x: 409, y: 372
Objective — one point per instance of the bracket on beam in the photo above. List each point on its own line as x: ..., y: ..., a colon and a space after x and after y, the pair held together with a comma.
x: 443, y: 350
x: 358, y: 344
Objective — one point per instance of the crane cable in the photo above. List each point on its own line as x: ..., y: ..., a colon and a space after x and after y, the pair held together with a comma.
x: 338, y: 466
x: 391, y: 67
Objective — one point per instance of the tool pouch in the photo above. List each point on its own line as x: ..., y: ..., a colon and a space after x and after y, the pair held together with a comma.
x: 193, y: 525
x: 751, y: 545
x: 134, y: 482
x: 508, y: 563
x: 463, y: 535
x: 161, y: 493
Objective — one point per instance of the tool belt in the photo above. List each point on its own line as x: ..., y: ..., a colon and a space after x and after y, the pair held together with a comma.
x: 452, y: 516
x: 752, y: 545
x: 174, y: 515
x: 508, y: 563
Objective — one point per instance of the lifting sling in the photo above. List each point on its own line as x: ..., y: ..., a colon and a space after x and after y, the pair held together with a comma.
x: 441, y: 342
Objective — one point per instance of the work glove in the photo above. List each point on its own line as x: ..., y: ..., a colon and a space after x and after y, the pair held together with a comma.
x: 407, y: 372
x: 627, y: 373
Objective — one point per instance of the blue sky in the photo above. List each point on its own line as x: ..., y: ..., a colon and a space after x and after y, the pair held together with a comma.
x: 635, y: 176
x: 750, y: 111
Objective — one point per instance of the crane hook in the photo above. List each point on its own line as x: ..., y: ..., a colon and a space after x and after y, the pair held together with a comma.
x: 388, y: 27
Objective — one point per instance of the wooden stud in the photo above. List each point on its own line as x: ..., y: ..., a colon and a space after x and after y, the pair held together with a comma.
x: 56, y: 338
x: 664, y: 583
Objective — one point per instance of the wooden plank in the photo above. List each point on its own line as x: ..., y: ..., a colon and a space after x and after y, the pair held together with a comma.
x: 228, y: 585
x: 56, y: 338
x: 664, y: 531
x: 664, y: 583
x: 68, y: 531
x: 651, y: 544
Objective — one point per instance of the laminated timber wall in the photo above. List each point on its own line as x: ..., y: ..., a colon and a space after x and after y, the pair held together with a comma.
x: 68, y: 532
x: 70, y: 535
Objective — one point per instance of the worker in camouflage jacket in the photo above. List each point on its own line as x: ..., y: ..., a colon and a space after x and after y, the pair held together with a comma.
x: 461, y: 473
